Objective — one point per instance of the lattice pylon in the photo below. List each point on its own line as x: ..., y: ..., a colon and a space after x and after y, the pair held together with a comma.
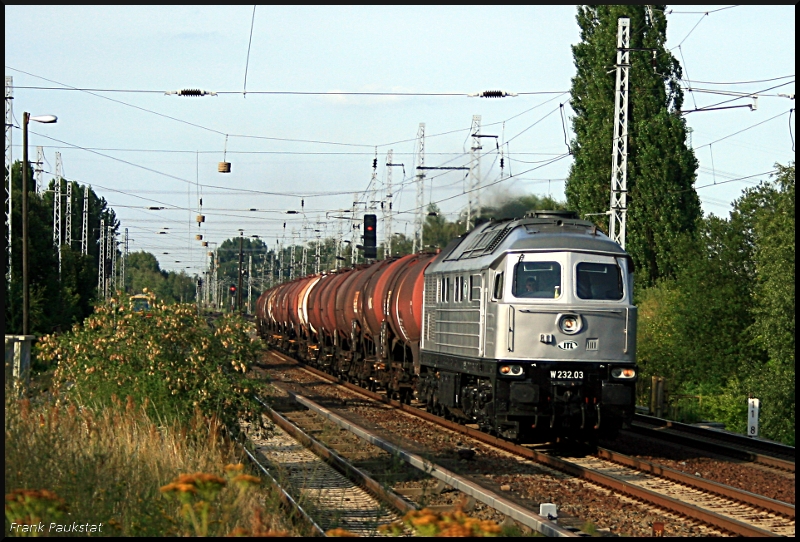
x: 473, y: 201
x: 109, y: 245
x: 57, y: 212
x: 9, y: 163
x: 619, y: 157
x: 85, y: 227
x: 68, y: 218
x: 419, y: 220
x: 124, y: 258
x: 101, y: 262
x: 39, y: 169
x: 387, y: 207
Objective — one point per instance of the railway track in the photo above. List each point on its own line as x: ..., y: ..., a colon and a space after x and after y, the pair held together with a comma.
x: 297, y: 511
x: 324, y: 497
x: 726, y: 508
x: 761, y: 452
x: 429, y: 480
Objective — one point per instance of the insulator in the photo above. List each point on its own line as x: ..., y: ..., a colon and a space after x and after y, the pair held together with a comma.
x: 502, y: 162
x: 492, y: 94
x: 302, y: 203
x: 374, y: 163
x: 191, y: 92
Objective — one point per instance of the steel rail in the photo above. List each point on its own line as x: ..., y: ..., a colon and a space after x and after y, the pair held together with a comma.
x: 728, y: 444
x: 286, y: 499
x: 499, y: 503
x: 723, y: 490
x: 353, y: 473
x: 729, y: 524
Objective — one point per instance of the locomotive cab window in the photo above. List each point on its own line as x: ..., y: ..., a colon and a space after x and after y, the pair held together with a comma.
x: 599, y: 281
x: 538, y: 280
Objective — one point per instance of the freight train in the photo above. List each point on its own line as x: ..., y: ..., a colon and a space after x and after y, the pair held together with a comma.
x: 525, y: 327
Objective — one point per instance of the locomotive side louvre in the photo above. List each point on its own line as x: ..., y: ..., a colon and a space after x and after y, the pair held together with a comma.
x: 551, y: 341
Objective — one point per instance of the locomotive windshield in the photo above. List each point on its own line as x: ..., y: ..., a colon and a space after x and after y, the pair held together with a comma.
x: 599, y: 281
x: 539, y: 280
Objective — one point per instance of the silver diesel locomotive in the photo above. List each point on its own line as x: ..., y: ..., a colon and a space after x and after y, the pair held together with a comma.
x: 529, y: 329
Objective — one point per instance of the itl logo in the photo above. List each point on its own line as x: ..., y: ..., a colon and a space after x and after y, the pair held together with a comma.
x: 568, y: 345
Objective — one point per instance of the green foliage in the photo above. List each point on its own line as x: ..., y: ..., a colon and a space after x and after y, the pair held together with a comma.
x: 657, y: 337
x: 768, y: 215
x: 142, y: 272
x: 228, y: 256
x: 437, y: 231
x: 770, y: 210
x: 55, y: 303
x: 662, y: 203
x: 724, y: 326
x: 171, y: 356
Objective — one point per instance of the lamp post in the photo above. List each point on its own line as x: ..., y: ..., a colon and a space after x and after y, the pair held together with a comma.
x: 26, y: 117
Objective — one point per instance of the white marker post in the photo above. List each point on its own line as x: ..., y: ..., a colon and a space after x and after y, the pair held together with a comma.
x: 752, y: 416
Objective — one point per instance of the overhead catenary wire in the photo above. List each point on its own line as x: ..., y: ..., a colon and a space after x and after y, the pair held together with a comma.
x: 744, y: 82
x: 742, y: 130
x: 749, y: 95
x: 271, y: 138
x: 249, y: 42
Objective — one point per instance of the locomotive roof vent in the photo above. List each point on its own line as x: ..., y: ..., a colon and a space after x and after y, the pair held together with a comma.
x: 562, y: 214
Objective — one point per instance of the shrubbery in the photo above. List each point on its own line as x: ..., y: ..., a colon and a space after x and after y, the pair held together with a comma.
x: 168, y: 356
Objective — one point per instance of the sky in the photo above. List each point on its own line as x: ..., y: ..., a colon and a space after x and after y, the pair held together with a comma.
x: 297, y: 141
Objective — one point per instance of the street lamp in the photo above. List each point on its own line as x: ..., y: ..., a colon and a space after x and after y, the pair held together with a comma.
x: 46, y: 119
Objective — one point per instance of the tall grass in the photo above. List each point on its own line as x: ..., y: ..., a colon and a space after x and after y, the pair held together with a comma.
x: 111, y: 466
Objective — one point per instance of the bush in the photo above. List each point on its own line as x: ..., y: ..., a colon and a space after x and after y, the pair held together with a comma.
x: 169, y: 355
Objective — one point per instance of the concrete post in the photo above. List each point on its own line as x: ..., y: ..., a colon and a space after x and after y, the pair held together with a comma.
x: 18, y: 359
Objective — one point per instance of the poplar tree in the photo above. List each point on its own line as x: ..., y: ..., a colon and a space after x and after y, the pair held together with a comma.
x: 662, y: 203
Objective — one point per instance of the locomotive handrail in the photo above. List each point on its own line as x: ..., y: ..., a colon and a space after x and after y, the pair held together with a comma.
x: 561, y: 309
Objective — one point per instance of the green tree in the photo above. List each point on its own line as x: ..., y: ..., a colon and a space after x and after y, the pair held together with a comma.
x: 767, y: 214
x: 437, y: 231
x: 228, y: 257
x: 55, y: 302
x: 662, y: 204
x: 724, y: 326
x: 143, y: 271
x: 693, y: 327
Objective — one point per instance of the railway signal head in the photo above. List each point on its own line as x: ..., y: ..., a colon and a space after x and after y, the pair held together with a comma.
x: 233, y: 290
x: 370, y: 236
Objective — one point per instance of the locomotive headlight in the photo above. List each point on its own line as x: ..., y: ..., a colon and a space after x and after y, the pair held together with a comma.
x: 569, y: 323
x: 623, y: 372
x: 513, y: 370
